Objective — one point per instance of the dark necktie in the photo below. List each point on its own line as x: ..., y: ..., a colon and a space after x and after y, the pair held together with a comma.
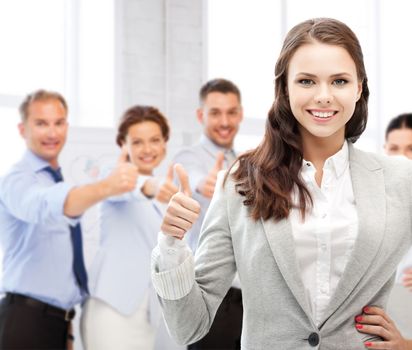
x: 76, y: 236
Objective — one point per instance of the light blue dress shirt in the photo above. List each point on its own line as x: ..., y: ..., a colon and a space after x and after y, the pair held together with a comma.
x: 120, y: 272
x: 198, y: 160
x: 35, y: 235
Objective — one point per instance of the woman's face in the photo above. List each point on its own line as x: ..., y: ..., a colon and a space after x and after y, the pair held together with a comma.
x: 399, y: 142
x: 146, y: 145
x: 323, y: 89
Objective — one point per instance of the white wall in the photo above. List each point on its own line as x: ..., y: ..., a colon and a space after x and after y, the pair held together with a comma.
x: 160, y: 60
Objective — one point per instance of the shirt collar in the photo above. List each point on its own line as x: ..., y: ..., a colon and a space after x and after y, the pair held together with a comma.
x: 336, y: 163
x: 212, y: 148
x: 34, y: 161
x: 340, y: 160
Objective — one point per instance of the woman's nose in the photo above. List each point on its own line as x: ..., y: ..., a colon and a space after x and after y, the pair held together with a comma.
x: 324, y: 96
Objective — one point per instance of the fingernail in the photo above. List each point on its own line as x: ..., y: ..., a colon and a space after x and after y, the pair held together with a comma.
x: 358, y: 318
x: 366, y: 309
x: 368, y: 343
x: 359, y: 326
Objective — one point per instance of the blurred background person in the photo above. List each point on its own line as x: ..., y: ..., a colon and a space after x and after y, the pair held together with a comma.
x: 220, y: 113
x: 398, y: 137
x: 398, y: 142
x: 44, y: 275
x: 122, y: 311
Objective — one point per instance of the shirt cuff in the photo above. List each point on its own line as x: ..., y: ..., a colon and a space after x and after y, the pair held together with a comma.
x: 173, y: 251
x: 173, y: 272
x: 58, y: 199
x: 141, y: 182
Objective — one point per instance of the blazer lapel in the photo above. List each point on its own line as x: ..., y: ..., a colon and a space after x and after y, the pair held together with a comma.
x: 369, y: 191
x: 279, y: 236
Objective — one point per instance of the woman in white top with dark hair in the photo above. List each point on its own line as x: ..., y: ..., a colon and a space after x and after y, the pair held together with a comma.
x: 123, y: 311
x: 314, y: 227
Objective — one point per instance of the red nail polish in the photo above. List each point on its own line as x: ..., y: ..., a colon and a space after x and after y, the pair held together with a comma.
x: 359, y: 326
x: 368, y: 344
x: 366, y: 309
x: 358, y: 318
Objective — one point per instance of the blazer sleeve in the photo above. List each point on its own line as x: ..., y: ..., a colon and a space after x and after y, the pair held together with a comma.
x: 190, y: 317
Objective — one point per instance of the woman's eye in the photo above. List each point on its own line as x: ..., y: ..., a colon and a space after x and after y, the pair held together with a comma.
x: 340, y: 82
x: 306, y: 82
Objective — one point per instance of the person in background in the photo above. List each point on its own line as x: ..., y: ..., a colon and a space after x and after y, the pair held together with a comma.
x: 43, y: 269
x: 398, y: 136
x: 220, y: 114
x: 398, y: 142
x: 122, y: 311
x: 314, y: 226
x: 374, y: 320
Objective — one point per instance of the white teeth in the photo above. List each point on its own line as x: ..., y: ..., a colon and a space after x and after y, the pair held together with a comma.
x: 323, y: 114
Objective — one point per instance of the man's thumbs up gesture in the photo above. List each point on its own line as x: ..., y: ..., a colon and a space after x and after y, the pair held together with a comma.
x: 207, y: 186
x: 123, y: 178
x: 183, y: 211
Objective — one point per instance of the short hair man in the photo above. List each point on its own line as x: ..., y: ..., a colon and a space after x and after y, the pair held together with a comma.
x: 220, y: 113
x: 43, y: 268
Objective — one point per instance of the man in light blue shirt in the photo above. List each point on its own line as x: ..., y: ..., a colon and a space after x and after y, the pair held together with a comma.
x: 43, y: 268
x: 220, y: 113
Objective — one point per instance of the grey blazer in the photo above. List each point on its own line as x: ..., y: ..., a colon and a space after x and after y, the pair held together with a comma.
x: 276, y: 311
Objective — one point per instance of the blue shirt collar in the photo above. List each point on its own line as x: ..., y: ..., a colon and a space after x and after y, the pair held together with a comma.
x: 35, y: 162
x: 213, y: 148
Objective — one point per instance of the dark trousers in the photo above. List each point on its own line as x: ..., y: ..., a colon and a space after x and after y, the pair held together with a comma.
x: 226, y: 329
x: 23, y: 326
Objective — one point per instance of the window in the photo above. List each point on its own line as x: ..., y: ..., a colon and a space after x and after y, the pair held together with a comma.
x: 96, y: 68
x: 243, y: 41
x: 57, y: 45
x: 32, y: 36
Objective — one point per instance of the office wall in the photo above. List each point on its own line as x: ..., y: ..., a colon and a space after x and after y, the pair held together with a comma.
x: 160, y: 59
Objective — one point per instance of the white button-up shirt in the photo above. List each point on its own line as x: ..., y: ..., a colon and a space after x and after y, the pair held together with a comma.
x: 324, y: 241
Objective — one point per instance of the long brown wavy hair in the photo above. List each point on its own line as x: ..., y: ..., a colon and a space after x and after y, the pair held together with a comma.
x: 267, y: 175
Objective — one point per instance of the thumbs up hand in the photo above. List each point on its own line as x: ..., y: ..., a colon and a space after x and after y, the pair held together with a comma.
x: 207, y: 186
x: 183, y: 211
x: 123, y: 178
x: 167, y: 189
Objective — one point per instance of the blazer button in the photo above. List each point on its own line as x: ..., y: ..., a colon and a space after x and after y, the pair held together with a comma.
x: 313, y: 339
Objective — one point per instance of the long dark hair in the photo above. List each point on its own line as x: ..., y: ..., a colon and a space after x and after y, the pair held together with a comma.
x: 267, y: 175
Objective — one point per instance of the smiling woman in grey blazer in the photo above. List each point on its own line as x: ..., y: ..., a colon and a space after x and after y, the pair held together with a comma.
x: 314, y: 227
